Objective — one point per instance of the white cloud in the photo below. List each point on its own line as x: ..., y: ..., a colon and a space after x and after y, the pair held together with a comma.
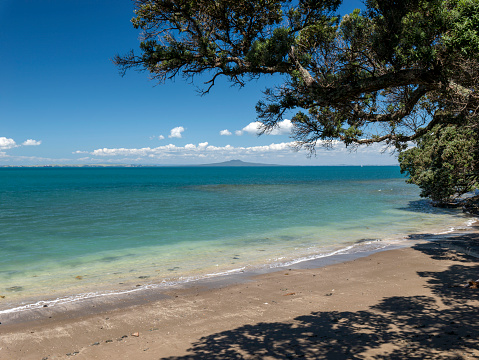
x: 254, y: 128
x: 31, y: 142
x: 161, y: 137
x: 176, y: 132
x: 7, y: 143
x: 225, y: 132
x: 284, y: 128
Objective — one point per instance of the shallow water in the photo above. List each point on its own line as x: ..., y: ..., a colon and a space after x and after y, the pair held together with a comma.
x: 67, y: 232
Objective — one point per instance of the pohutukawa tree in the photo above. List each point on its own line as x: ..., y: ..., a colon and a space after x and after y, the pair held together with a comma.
x: 389, y: 73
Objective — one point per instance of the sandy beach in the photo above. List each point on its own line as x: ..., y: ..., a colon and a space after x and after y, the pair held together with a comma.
x: 396, y: 304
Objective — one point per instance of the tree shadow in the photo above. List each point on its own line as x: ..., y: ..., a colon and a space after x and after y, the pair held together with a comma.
x: 397, y: 328
x: 425, y: 206
x: 409, y: 327
x: 449, y: 284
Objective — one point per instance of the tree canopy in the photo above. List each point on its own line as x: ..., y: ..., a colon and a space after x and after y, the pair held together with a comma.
x: 390, y: 73
x: 444, y: 163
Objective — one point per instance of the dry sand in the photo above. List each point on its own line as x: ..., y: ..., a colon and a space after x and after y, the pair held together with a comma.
x: 396, y: 304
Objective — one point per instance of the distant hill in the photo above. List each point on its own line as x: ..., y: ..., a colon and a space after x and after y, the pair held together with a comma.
x: 236, y: 163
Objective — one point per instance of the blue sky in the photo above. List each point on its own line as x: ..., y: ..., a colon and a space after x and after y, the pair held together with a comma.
x: 62, y: 101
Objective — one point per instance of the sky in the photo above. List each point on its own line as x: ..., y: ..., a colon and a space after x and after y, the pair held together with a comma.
x: 63, y: 101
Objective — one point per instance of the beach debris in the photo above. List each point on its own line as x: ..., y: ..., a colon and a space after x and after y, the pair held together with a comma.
x: 289, y: 294
x: 79, y: 277
x: 471, y: 284
x: 109, y: 341
x: 95, y: 344
x: 2, y: 296
x: 15, y: 288
x: 329, y: 294
x: 143, y: 277
x: 136, y: 334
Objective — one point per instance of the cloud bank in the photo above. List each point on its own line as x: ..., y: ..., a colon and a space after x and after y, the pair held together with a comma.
x: 204, y: 147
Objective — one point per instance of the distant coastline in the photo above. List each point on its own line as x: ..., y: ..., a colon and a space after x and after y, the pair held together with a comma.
x: 230, y: 163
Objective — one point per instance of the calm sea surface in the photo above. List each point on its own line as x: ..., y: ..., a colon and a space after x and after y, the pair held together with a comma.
x: 71, y: 232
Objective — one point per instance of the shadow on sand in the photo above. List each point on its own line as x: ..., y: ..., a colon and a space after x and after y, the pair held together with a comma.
x: 417, y: 327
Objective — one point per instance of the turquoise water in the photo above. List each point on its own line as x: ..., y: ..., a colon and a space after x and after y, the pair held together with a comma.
x: 71, y: 231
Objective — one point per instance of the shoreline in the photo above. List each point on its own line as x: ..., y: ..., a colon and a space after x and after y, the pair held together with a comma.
x: 309, y: 307
x: 89, y: 304
x: 110, y: 299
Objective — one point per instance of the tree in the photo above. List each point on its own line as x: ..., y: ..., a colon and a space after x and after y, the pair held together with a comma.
x: 445, y: 162
x: 389, y: 73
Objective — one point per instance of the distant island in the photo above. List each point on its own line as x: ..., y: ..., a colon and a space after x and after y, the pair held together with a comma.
x: 236, y: 163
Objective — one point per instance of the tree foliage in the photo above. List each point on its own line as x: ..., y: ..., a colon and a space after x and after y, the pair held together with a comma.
x: 445, y: 162
x: 389, y: 73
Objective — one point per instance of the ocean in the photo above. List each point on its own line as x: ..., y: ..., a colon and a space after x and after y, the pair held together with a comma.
x: 69, y: 234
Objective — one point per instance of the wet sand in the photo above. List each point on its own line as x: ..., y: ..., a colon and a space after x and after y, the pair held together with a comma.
x: 407, y: 303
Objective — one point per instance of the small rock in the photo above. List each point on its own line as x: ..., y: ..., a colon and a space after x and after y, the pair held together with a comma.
x: 143, y: 277
x: 95, y: 344
x: 79, y: 277
x: 45, y: 305
x: 109, y: 341
x: 2, y: 296
x: 136, y: 334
